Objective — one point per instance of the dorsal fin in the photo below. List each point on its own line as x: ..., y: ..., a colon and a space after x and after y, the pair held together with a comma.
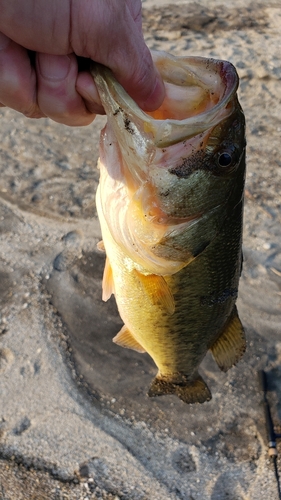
x: 107, y: 281
x: 158, y: 290
x: 230, y: 346
x: 126, y: 339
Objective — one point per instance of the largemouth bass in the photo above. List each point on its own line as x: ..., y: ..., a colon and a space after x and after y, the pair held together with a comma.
x: 170, y: 203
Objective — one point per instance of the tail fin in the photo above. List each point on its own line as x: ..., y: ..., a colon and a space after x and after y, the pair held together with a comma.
x: 195, y: 391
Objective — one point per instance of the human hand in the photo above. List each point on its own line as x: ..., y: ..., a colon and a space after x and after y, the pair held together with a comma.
x: 107, y: 31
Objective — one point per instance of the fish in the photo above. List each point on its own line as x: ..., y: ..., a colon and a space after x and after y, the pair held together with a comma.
x: 170, y: 206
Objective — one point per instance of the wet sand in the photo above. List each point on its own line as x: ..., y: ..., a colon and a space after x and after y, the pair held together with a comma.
x: 75, y: 421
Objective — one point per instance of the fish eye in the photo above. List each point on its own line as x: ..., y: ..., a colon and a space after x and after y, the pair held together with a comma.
x: 225, y: 159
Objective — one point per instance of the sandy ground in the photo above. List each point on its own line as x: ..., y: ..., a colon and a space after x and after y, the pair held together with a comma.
x: 75, y: 422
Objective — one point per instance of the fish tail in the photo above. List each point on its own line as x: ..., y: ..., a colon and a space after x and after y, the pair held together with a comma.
x: 194, y: 391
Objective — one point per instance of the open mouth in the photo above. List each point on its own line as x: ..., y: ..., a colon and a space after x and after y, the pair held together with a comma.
x: 199, y: 94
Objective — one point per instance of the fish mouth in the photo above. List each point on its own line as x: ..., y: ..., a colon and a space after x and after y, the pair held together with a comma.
x: 199, y: 95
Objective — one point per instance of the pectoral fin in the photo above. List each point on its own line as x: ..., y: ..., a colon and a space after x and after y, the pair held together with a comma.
x: 231, y: 345
x: 195, y: 391
x: 107, y: 281
x: 158, y: 290
x: 100, y: 246
x: 125, y: 339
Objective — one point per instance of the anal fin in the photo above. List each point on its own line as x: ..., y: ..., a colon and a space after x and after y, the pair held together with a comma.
x: 194, y: 391
x: 158, y: 290
x: 231, y: 345
x: 125, y: 339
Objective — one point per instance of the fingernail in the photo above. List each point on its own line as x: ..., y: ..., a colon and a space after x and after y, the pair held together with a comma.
x: 156, y: 97
x: 54, y: 67
x: 4, y: 41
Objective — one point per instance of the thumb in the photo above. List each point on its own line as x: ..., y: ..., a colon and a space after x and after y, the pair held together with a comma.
x: 142, y: 80
x: 114, y: 38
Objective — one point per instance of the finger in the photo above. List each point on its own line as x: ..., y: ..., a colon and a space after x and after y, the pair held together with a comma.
x: 56, y: 86
x: 116, y: 41
x: 37, y: 25
x: 18, y: 79
x: 145, y: 85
